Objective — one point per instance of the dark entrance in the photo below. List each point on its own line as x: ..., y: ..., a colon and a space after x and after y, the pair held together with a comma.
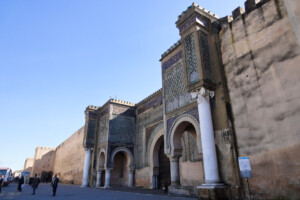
x: 164, y: 176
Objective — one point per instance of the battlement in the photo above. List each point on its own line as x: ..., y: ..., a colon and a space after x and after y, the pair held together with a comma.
x: 250, y: 5
x: 150, y: 96
x: 174, y: 46
x: 92, y: 107
x: 112, y: 100
x: 199, y: 8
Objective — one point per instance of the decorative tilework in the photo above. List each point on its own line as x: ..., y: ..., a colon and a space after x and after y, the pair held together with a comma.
x: 170, y: 121
x: 154, y: 115
x: 205, y: 54
x: 103, y: 129
x: 175, y: 93
x: 122, y: 129
x: 156, y: 102
x: 191, y: 59
x: 172, y: 60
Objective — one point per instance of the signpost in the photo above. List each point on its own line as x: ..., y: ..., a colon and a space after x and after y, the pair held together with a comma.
x: 245, y: 170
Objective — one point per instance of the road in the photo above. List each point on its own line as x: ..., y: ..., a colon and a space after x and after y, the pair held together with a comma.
x: 75, y: 192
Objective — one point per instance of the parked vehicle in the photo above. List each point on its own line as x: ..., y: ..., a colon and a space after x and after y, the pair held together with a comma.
x: 6, y: 175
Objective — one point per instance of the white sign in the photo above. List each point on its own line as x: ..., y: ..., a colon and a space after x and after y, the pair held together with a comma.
x: 245, y: 167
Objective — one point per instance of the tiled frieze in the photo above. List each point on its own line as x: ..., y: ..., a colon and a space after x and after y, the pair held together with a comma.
x: 174, y: 59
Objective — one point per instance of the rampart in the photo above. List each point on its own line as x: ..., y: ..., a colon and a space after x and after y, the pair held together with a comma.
x: 261, y: 57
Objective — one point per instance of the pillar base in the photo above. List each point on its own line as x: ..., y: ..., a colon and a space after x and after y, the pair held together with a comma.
x: 106, y: 187
x: 183, y: 190
x: 83, y: 186
x: 213, y: 191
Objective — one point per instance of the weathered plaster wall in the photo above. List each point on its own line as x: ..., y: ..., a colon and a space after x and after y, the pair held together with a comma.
x: 261, y: 56
x: 43, y: 160
x: 293, y: 9
x: 69, y: 159
x: 191, y: 173
x: 28, y: 165
x: 142, y: 178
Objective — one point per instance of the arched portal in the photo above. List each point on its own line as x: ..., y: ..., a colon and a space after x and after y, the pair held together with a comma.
x: 101, y: 169
x: 122, y: 171
x: 159, y: 163
x: 186, y: 152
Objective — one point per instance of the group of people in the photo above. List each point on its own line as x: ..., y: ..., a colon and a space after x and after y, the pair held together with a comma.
x: 34, y: 183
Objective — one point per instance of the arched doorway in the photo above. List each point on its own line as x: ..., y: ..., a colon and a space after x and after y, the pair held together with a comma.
x: 121, y: 173
x: 159, y: 163
x: 164, y: 174
x: 186, y: 152
x: 101, y: 171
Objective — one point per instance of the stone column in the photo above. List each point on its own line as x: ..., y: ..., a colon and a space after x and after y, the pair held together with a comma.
x: 174, y: 165
x: 130, y: 182
x: 86, y: 167
x: 211, y: 172
x: 98, y: 183
x: 107, y: 178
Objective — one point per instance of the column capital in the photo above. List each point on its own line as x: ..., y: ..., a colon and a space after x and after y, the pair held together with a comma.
x: 202, y: 94
x: 88, y: 149
x: 108, y: 169
x: 174, y: 158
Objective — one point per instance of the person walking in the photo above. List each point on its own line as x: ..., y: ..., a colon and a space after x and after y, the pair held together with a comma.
x: 54, y: 184
x: 35, y: 183
x: 20, y: 183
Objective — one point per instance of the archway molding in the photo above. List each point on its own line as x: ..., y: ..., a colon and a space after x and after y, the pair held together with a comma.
x: 128, y: 155
x: 153, y: 154
x: 177, y: 129
x: 102, y: 159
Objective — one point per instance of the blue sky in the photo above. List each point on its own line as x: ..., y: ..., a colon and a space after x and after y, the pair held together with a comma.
x: 59, y: 56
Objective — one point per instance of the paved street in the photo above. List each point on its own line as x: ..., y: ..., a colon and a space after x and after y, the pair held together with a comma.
x: 75, y: 192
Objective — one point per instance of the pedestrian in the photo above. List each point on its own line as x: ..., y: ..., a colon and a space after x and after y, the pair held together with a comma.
x: 54, y: 184
x: 20, y: 183
x: 35, y: 183
x: 1, y: 180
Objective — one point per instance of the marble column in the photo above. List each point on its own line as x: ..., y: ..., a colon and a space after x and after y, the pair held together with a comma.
x: 130, y: 182
x: 98, y: 183
x: 86, y: 167
x: 107, y: 178
x: 174, y: 165
x: 210, y: 163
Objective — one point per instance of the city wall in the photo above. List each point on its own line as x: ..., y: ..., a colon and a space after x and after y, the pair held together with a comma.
x: 261, y: 56
x: 69, y: 159
x: 43, y: 160
x: 28, y: 165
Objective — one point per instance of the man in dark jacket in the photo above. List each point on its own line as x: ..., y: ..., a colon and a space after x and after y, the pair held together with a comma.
x: 35, y: 184
x: 20, y: 183
x: 54, y: 184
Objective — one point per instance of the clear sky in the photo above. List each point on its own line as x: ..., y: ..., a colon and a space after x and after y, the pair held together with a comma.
x: 59, y: 56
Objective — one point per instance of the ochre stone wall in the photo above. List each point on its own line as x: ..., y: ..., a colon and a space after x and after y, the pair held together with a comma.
x: 69, y: 159
x: 28, y: 165
x: 261, y: 56
x: 43, y: 160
